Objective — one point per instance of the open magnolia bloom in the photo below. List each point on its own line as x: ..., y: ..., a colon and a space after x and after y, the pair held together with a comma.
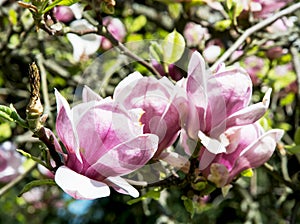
x: 218, y: 102
x: 249, y: 147
x: 103, y: 141
x: 164, y: 103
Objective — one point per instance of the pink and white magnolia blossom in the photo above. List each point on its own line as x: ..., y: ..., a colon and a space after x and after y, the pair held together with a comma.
x: 218, y: 102
x: 10, y: 162
x: 84, y: 45
x: 103, y: 141
x: 249, y: 147
x: 222, y: 119
x: 164, y: 103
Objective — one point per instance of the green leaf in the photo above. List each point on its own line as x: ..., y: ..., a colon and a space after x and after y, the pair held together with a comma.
x: 153, y: 194
x: 294, y: 149
x: 287, y: 100
x: 5, y: 131
x: 138, y: 23
x: 189, y: 205
x: 297, y: 136
x: 29, y: 156
x: 67, y: 2
x: 5, y: 112
x: 247, y: 173
x: 222, y: 24
x: 13, y: 17
x: 10, y: 114
x: 175, y: 10
x: 156, y: 51
x: 36, y: 183
x: 229, y: 4
x: 238, y: 9
x: 59, y: 2
x: 173, y: 47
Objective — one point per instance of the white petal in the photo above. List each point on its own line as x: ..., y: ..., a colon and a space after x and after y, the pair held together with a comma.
x: 126, y: 83
x: 213, y: 145
x: 79, y: 186
x: 121, y: 185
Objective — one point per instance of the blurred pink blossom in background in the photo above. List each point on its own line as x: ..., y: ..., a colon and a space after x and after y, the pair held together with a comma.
x: 10, y: 162
x: 195, y: 35
x: 116, y: 28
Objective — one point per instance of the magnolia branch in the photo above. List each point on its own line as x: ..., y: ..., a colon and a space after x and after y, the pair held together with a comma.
x: 104, y: 32
x: 250, y: 31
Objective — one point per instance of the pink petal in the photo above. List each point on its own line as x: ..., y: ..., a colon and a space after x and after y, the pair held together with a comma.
x: 128, y: 82
x: 79, y: 186
x: 233, y: 86
x: 108, y: 124
x: 259, y: 152
x: 65, y: 126
x: 127, y: 156
x: 248, y: 115
x: 197, y: 80
x: 121, y: 186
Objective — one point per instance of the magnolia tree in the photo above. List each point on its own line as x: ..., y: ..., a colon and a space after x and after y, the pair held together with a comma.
x: 169, y: 111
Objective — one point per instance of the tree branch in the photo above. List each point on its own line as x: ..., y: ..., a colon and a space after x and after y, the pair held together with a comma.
x: 251, y: 31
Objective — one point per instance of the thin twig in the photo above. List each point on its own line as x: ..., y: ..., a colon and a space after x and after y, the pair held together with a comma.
x: 124, y: 50
x: 252, y: 30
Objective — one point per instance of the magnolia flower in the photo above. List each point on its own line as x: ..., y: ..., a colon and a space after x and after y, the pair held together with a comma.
x: 103, y: 141
x: 195, y: 34
x: 263, y: 8
x: 84, y: 45
x: 218, y: 102
x: 116, y: 28
x: 249, y: 147
x: 163, y: 102
x: 10, y: 162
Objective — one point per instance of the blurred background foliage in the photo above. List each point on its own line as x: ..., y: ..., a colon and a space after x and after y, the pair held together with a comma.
x: 272, y: 195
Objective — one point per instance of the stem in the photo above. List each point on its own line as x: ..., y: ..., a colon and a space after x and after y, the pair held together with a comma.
x: 17, y: 180
x: 251, y: 31
x: 127, y: 52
